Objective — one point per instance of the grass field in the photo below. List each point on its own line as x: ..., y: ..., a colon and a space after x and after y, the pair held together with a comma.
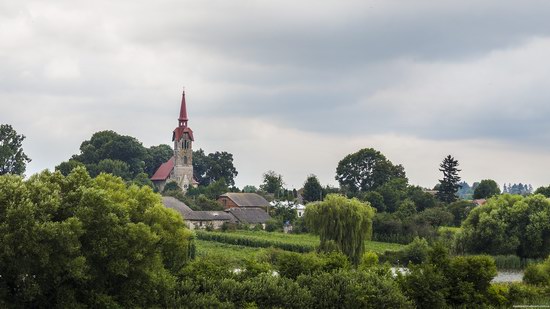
x: 230, y: 254
x: 307, y: 239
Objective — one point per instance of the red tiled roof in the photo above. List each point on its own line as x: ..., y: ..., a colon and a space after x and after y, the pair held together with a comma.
x: 164, y: 170
x: 179, y: 131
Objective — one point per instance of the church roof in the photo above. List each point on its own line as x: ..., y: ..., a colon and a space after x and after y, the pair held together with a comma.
x: 163, y: 172
x: 179, y: 131
x: 247, y: 199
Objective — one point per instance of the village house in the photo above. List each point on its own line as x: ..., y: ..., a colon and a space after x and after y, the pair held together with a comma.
x: 215, y: 219
x: 243, y: 200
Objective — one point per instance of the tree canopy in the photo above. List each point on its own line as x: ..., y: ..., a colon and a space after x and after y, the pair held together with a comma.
x: 272, y: 182
x: 366, y: 170
x: 73, y: 241
x: 449, y: 185
x: 213, y: 167
x: 509, y: 224
x: 486, y: 189
x: 313, y: 191
x: 13, y: 159
x: 120, y: 155
x: 543, y: 190
x: 343, y: 224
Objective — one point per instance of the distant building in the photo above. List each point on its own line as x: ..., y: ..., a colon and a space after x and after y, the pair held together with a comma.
x: 243, y: 200
x: 215, y: 219
x: 179, y: 168
x: 479, y: 202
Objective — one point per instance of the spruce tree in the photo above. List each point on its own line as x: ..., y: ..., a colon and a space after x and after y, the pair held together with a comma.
x: 449, y: 185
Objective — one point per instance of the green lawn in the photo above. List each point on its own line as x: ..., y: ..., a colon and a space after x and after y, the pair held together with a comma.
x: 308, y: 239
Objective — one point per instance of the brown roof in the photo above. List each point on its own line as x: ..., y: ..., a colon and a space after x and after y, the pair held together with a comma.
x: 191, y: 215
x: 163, y: 172
x: 249, y: 216
x: 247, y: 199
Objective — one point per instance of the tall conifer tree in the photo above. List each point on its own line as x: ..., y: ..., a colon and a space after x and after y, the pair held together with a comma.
x: 449, y: 185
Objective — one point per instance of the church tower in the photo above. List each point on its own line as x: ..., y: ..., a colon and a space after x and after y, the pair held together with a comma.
x: 183, y: 140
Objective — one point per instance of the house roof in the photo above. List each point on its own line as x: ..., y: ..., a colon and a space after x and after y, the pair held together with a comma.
x: 250, y: 216
x: 191, y: 215
x: 163, y: 172
x: 177, y: 205
x: 246, y: 199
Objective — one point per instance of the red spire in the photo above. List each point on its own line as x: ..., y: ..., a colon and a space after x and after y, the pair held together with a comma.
x: 183, y: 112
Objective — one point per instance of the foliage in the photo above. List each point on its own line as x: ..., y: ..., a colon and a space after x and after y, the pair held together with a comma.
x: 509, y: 224
x: 12, y: 158
x: 313, y: 191
x: 211, y: 191
x: 449, y: 185
x: 354, y: 289
x: 346, y: 222
x: 543, y: 190
x: 120, y: 155
x: 460, y: 210
x: 538, y: 274
x: 272, y: 182
x: 518, y: 188
x: 366, y: 170
x: 486, y: 189
x: 213, y: 167
x: 75, y: 241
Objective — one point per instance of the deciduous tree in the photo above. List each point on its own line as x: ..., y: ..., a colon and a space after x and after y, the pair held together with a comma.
x: 313, y: 191
x: 12, y: 158
x: 486, y: 189
x: 366, y: 170
x: 341, y: 222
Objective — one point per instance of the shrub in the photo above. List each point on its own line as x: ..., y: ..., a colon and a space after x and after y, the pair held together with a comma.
x: 416, y: 252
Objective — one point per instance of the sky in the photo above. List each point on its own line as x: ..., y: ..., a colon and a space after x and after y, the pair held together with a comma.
x: 289, y: 86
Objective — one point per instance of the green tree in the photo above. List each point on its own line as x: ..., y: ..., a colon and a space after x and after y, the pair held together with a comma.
x: 486, y: 189
x: 272, y: 182
x: 509, y: 224
x: 79, y: 242
x: 543, y: 190
x: 213, y: 167
x: 366, y: 170
x: 313, y: 191
x: 12, y: 158
x: 341, y: 222
x: 449, y: 185
x: 155, y: 156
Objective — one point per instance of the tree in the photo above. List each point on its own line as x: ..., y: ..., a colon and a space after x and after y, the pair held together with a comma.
x: 313, y: 191
x: 486, y: 189
x: 543, y: 190
x: 272, y: 182
x: 343, y: 223
x: 156, y: 155
x: 213, y: 167
x: 80, y: 242
x: 366, y: 170
x: 508, y: 224
x: 449, y: 185
x: 13, y: 159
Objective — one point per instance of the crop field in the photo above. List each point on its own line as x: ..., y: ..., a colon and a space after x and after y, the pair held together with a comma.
x: 230, y: 254
x: 291, y: 242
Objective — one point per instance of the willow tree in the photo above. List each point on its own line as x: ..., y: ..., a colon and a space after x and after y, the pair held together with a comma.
x: 342, y: 223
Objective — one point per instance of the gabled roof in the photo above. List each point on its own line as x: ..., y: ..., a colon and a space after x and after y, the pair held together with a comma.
x: 191, y: 215
x: 163, y: 172
x: 246, y: 199
x: 250, y: 216
x: 180, y: 131
x: 174, y: 203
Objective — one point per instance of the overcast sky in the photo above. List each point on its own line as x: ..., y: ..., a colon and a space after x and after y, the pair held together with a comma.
x: 289, y: 86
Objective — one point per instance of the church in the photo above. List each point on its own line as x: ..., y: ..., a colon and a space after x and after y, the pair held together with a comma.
x: 179, y: 168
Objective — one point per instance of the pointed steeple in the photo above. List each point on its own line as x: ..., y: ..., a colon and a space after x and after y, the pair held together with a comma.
x: 183, y: 112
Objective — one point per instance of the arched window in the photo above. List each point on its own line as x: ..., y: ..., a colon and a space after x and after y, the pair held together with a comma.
x: 185, y: 160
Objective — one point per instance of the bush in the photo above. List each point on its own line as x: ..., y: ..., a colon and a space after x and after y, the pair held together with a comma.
x: 538, y: 274
x: 416, y: 252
